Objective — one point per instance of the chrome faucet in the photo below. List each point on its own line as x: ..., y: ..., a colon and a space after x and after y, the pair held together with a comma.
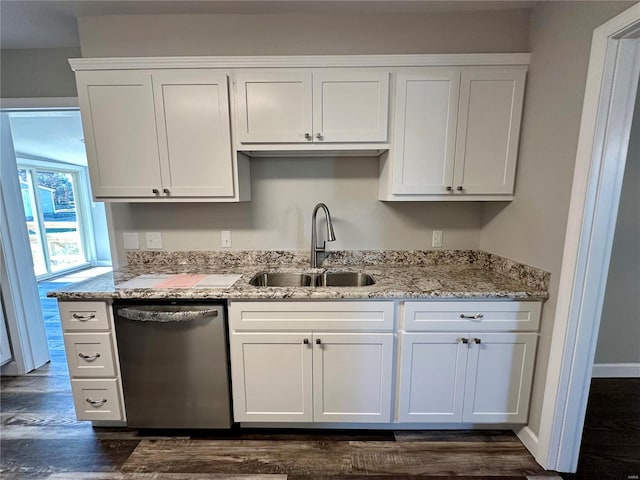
x: 315, y: 249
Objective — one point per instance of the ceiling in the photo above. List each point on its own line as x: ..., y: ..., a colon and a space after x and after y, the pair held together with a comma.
x: 53, y: 23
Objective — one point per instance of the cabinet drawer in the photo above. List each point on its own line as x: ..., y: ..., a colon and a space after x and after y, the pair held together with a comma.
x: 308, y: 316
x: 471, y: 316
x: 84, y: 315
x: 96, y: 399
x: 90, y: 354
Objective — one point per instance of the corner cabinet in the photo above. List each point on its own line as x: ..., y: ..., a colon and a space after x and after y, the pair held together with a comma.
x: 324, y: 109
x: 456, y: 133
x: 159, y: 135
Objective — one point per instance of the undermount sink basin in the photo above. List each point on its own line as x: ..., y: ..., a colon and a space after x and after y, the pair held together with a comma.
x: 273, y: 279
x: 344, y: 279
x: 327, y: 279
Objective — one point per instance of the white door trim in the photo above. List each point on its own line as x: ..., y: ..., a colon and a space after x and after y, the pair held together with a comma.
x: 612, y: 80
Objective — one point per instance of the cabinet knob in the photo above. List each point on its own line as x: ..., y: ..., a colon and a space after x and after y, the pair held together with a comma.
x: 155, y: 191
x: 166, y: 191
x: 477, y: 341
x: 464, y: 340
x: 449, y: 188
x: 319, y: 136
x: 307, y: 136
x: 459, y: 188
x: 305, y: 341
x: 318, y: 341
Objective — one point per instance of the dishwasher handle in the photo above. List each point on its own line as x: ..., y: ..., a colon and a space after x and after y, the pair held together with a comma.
x: 164, y: 314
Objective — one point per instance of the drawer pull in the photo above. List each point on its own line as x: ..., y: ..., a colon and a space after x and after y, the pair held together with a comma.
x: 89, y: 358
x: 84, y: 318
x: 477, y: 316
x: 95, y: 403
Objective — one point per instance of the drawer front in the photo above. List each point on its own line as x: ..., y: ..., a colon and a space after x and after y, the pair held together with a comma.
x: 90, y: 354
x: 471, y: 316
x: 97, y: 399
x: 311, y: 316
x: 84, y: 315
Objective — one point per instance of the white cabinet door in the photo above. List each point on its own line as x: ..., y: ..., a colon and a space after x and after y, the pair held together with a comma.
x: 271, y: 377
x: 194, y: 135
x: 432, y: 376
x: 499, y: 375
x: 488, y: 130
x: 352, y: 377
x: 119, y: 124
x: 350, y: 106
x: 274, y: 107
x: 426, y: 115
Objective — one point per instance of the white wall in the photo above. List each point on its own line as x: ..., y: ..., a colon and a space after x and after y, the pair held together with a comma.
x: 284, y: 191
x: 37, y: 72
x: 531, y: 229
x: 619, y: 337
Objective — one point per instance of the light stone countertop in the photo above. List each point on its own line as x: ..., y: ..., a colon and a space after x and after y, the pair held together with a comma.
x: 455, y: 274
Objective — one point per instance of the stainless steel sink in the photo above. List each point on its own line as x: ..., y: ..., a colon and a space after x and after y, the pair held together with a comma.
x: 327, y: 279
x: 274, y: 279
x: 344, y: 279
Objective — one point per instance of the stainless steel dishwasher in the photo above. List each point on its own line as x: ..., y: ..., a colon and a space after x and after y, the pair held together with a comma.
x: 174, y: 361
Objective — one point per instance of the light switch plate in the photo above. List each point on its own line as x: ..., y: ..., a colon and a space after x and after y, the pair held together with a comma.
x: 154, y: 240
x: 131, y: 240
x: 225, y: 238
x: 436, y: 240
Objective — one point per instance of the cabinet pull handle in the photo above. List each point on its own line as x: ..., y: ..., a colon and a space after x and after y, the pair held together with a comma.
x: 166, y: 191
x: 318, y: 341
x: 460, y: 188
x: 477, y: 341
x: 449, y: 188
x: 89, y: 358
x: 477, y: 316
x: 95, y: 403
x: 319, y: 136
x: 464, y: 340
x: 83, y: 318
x: 307, y: 136
x: 305, y: 341
x: 155, y: 191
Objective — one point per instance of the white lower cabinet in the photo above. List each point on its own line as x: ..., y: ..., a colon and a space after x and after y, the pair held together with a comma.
x: 311, y: 376
x: 466, y: 377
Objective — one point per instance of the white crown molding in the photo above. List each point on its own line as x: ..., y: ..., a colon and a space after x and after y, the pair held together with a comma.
x: 301, y: 61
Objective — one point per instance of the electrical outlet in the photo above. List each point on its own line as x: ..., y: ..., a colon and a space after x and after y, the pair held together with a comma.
x: 154, y: 240
x: 225, y: 238
x: 436, y: 240
x: 131, y: 240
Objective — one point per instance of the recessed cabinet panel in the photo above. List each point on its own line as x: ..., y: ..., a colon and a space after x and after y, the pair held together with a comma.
x: 119, y: 125
x: 350, y: 106
x: 489, y: 130
x: 90, y: 354
x: 352, y: 377
x: 432, y: 377
x: 194, y: 133
x: 425, y: 130
x: 274, y: 107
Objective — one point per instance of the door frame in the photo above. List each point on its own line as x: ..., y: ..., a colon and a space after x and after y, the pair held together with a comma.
x: 612, y: 80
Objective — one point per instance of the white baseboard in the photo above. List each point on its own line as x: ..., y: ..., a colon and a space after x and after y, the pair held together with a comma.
x: 616, y: 370
x: 528, y: 439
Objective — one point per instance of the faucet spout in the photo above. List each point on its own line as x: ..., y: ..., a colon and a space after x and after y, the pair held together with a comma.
x: 331, y: 236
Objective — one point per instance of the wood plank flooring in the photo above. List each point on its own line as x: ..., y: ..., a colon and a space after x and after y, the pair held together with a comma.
x: 40, y: 439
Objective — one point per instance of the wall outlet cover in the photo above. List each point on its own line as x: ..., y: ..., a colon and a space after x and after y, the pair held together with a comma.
x: 225, y: 238
x: 154, y: 240
x: 131, y: 240
x: 436, y: 240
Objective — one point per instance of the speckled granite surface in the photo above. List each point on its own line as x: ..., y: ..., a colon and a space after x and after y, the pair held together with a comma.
x: 398, y: 274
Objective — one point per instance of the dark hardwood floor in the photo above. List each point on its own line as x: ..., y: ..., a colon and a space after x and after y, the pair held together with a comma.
x: 40, y: 439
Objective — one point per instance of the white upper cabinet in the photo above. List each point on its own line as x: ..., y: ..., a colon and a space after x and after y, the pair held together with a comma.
x: 274, y: 107
x: 456, y: 134
x: 315, y: 107
x: 161, y: 134
x: 488, y: 130
x: 118, y: 119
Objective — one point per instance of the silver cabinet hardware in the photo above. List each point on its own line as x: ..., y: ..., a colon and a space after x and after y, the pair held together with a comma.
x: 319, y: 136
x: 477, y: 316
x: 318, y: 341
x: 459, y: 188
x: 449, y: 188
x: 166, y: 191
x: 305, y: 341
x: 307, y: 136
x: 89, y: 358
x: 83, y: 318
x: 95, y: 403
x: 477, y: 341
x: 155, y: 191
x: 464, y: 340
